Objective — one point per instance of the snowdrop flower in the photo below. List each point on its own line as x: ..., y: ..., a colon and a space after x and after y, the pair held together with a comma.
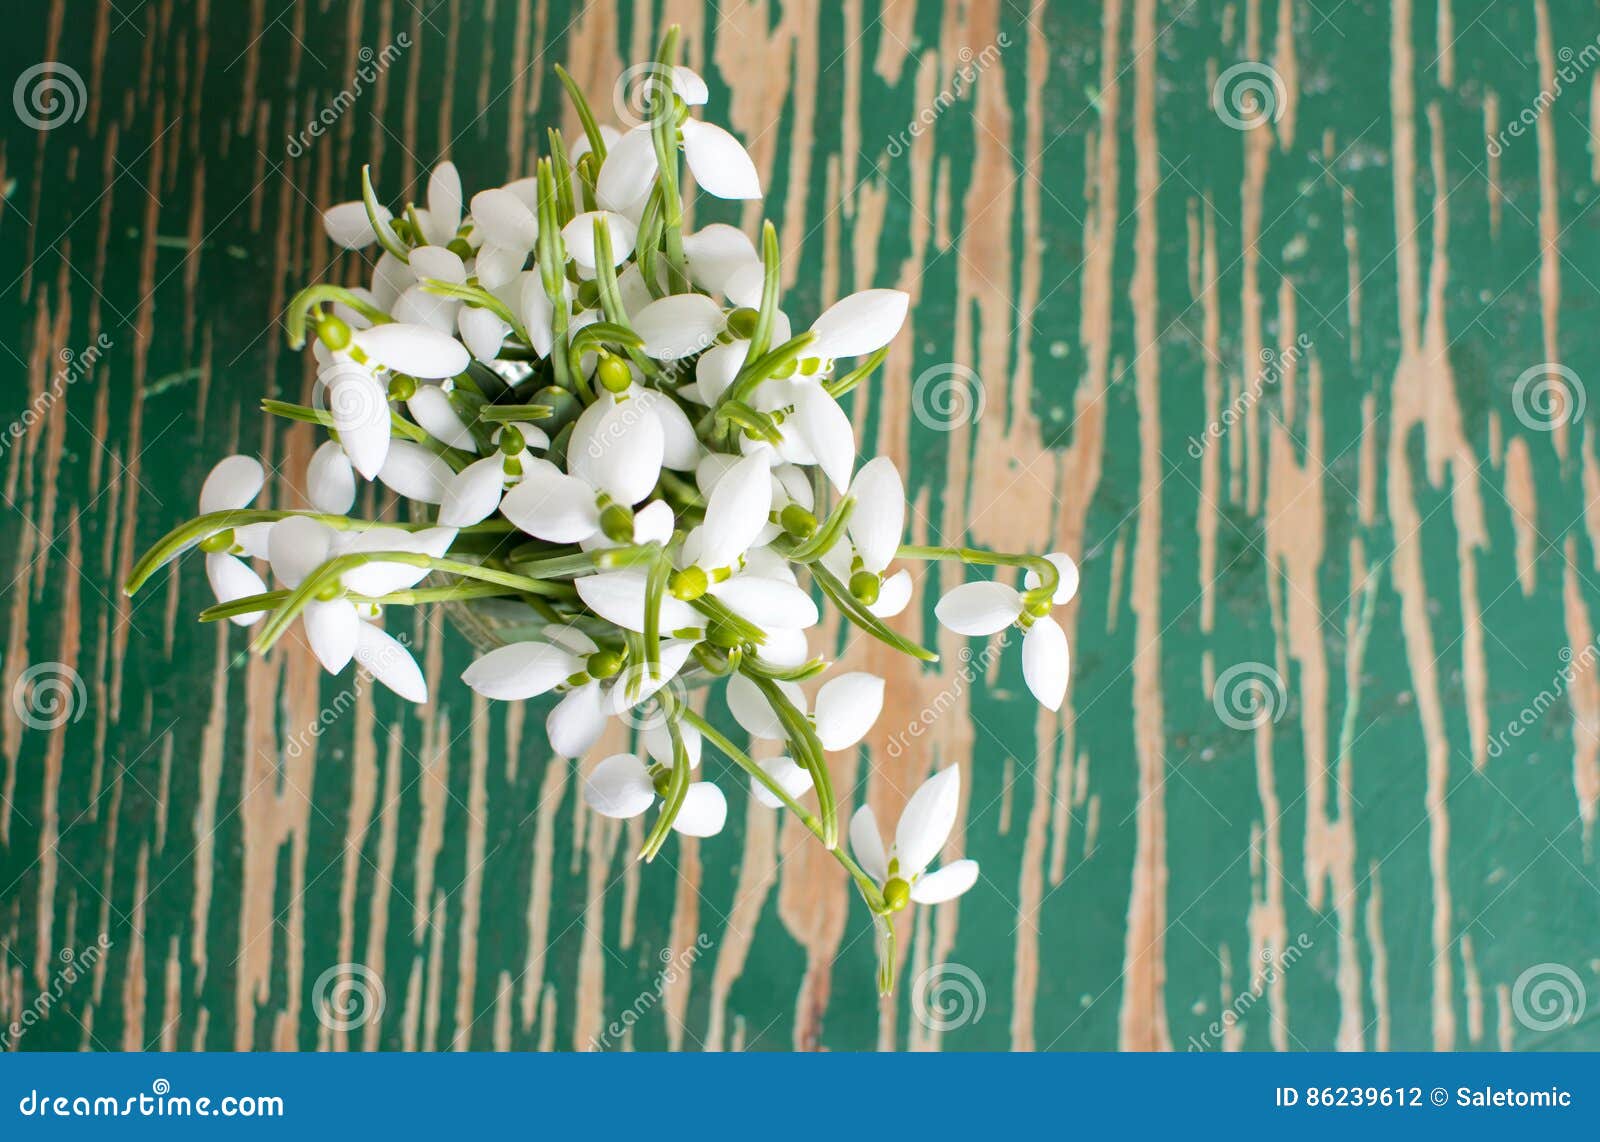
x: 861, y: 323
x: 986, y: 607
x: 623, y: 786
x: 792, y: 778
x: 980, y: 608
x: 232, y: 484
x: 847, y: 707
x: 720, y: 165
x: 925, y: 825
x: 330, y: 480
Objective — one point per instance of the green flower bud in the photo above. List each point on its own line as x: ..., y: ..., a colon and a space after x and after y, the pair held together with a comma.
x: 617, y: 523
x: 864, y: 585
x: 460, y: 247
x: 217, y: 542
x: 511, y: 441
x: 333, y: 332
x: 797, y: 521
x: 661, y: 779
x: 690, y: 583
x: 604, y: 663
x: 614, y: 373
x: 402, y: 387
x: 1039, y: 608
x: 329, y: 593
x: 742, y: 322
x: 896, y: 894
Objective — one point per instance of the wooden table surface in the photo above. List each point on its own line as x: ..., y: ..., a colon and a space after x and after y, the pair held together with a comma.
x: 1242, y: 354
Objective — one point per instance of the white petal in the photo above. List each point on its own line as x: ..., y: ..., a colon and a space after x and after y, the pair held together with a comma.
x: 768, y: 602
x: 861, y: 323
x: 415, y: 350
x: 680, y: 447
x: 438, y: 263
x: 657, y: 742
x: 473, y: 494
x: 618, y: 447
x: 331, y: 629
x: 628, y: 171
x: 579, y: 237
x: 520, y: 670
x: 715, y: 252
x: 618, y: 597
x: 253, y: 538
x: 735, y: 512
x: 653, y: 523
x: 620, y: 786
x: 504, y: 219
x: 553, y: 507
x: 750, y: 709
x: 380, y: 578
x: 704, y: 811
x: 717, y: 368
x: 744, y: 286
x: 330, y: 481
x: 359, y: 405
x: 580, y: 147
x: 537, y: 313
x: 1046, y: 661
x: 417, y: 306
x: 483, y: 331
x: 497, y: 267
x: 415, y: 472
x: 979, y: 608
x: 793, y: 779
x: 946, y: 884
x: 431, y: 408
x: 444, y: 204
x: 391, y: 663
x: 927, y: 820
x: 689, y: 87
x: 234, y: 579
x: 231, y: 484
x: 390, y: 278
x: 893, y: 595
x: 866, y: 842
x: 826, y: 430
x: 1066, y: 585
x: 576, y: 722
x: 880, y: 514
x: 679, y: 325
x: 348, y: 226
x: 847, y: 707
x: 674, y: 653
x: 297, y: 546
x: 785, y: 648
x: 720, y: 163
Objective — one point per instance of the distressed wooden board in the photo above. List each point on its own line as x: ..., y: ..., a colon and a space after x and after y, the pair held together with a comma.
x: 1082, y: 230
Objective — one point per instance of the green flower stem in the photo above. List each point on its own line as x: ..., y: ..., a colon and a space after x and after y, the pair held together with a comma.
x: 583, y: 562
x: 677, y: 789
x: 415, y: 597
x: 478, y: 298
x: 714, y: 609
x: 807, y: 751
x: 186, y: 535
x: 502, y: 413
x: 664, y: 133
x: 312, y: 296
x: 863, y: 618
x: 840, y: 385
x: 869, y: 890
x: 597, y: 142
x: 605, y: 277
x: 885, y: 926
x: 328, y: 575
x: 387, y: 238
x: 826, y: 536
x: 655, y: 589
x: 1049, y: 577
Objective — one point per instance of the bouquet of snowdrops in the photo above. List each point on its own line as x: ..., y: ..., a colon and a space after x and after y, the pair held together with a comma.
x: 608, y: 425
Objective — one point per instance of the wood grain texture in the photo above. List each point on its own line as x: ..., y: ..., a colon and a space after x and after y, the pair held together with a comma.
x: 1241, y: 371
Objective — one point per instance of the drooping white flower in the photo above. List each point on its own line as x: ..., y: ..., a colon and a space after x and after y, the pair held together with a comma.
x: 716, y: 252
x: 415, y: 472
x: 861, y: 323
x: 233, y: 483
x: 924, y: 826
x: 720, y: 163
x: 578, y: 236
x: 504, y: 219
x: 330, y: 480
x: 980, y: 608
x: 847, y: 707
x: 347, y: 224
x: 1066, y: 584
x: 679, y: 325
x: 1046, y: 661
x: 621, y: 786
x: 879, y: 518
x: 415, y: 350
